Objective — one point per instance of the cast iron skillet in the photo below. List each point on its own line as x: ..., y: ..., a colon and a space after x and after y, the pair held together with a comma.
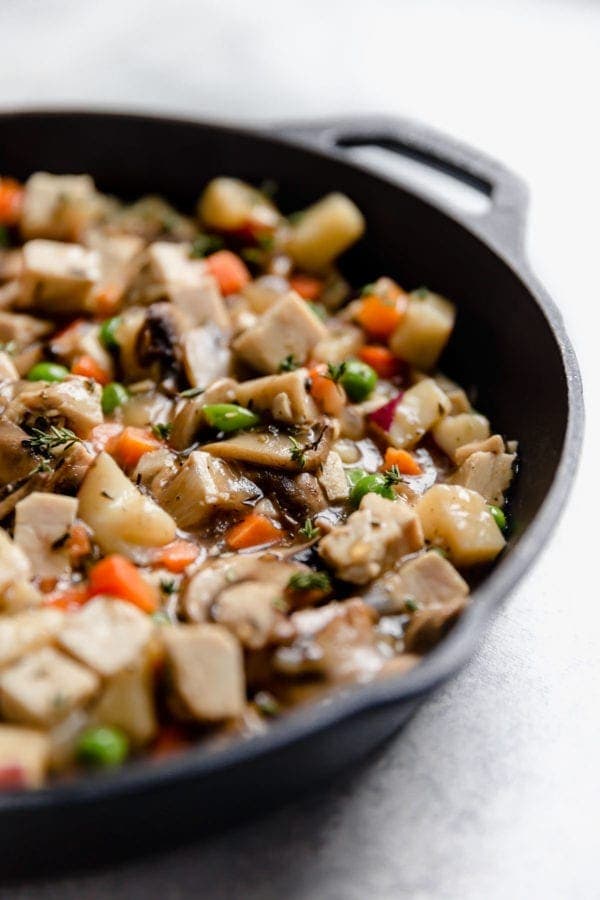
x: 509, y: 341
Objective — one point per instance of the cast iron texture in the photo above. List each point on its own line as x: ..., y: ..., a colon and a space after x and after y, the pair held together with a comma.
x: 509, y: 341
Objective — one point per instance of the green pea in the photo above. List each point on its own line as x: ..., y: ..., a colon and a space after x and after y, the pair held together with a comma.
x: 358, y: 380
x: 498, y: 516
x: 47, y: 371
x: 229, y: 416
x: 371, y: 484
x: 108, y: 332
x: 354, y: 475
x: 103, y: 746
x: 113, y: 395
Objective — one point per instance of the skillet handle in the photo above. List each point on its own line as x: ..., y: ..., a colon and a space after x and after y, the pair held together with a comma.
x: 503, y: 223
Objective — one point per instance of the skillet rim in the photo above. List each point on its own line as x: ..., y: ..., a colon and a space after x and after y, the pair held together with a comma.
x: 459, y: 645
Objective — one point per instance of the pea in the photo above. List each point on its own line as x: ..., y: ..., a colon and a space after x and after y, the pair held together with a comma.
x: 113, y: 395
x: 354, y: 475
x: 358, y: 380
x: 498, y: 516
x: 371, y: 484
x: 47, y: 371
x: 229, y: 416
x: 108, y: 332
x: 103, y: 746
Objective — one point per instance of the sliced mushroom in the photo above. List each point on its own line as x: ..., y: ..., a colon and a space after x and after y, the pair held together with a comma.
x: 305, y: 450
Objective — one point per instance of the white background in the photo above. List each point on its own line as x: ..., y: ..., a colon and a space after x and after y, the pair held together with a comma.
x: 493, y: 789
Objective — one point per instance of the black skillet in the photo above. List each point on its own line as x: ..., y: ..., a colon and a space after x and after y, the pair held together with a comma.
x: 509, y: 341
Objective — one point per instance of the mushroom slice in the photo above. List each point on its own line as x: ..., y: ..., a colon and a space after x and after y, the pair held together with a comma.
x: 305, y: 450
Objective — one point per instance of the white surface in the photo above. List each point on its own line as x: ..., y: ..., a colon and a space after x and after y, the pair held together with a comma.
x: 493, y: 789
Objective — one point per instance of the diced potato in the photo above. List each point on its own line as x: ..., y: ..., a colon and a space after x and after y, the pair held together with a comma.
x: 59, y: 207
x: 42, y: 523
x: 27, y: 752
x: 43, y: 687
x: 421, y: 407
x: 127, y: 702
x: 207, y: 670
x: 458, y: 520
x: 424, y: 330
x: 58, y: 277
x: 121, y: 518
x: 285, y: 396
x: 453, y: 432
x: 228, y: 204
x: 429, y: 580
x: 26, y: 631
x: 289, y: 328
x: 107, y: 635
x: 324, y: 231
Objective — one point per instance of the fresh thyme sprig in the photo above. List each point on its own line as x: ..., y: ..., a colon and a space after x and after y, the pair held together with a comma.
x: 309, y: 581
x: 310, y: 531
x: 297, y: 453
x: 42, y: 443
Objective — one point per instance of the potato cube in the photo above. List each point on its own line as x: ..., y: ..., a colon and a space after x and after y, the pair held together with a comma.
x: 453, y: 432
x: 421, y: 407
x: 229, y: 204
x: 424, y: 330
x: 207, y: 670
x: 324, y: 231
x: 43, y: 687
x: 458, y: 520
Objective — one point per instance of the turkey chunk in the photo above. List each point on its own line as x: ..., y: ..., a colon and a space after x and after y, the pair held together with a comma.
x: 76, y: 400
x: 203, y: 485
x: 171, y: 264
x: 26, y: 631
x: 107, y: 635
x: 27, y: 752
x: 43, y: 687
x: 59, y: 206
x: 42, y: 523
x: 127, y: 702
x: 487, y: 473
x: 288, y: 328
x: 493, y: 444
x: 285, y: 396
x: 421, y: 407
x: 373, y: 538
x: 429, y: 580
x: 249, y: 610
x: 58, y: 277
x: 428, y: 626
x: 458, y: 520
x: 201, y: 303
x: 207, y: 671
x: 16, y: 591
x: 337, y: 641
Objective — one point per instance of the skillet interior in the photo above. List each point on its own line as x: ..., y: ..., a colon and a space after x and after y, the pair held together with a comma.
x: 503, y: 343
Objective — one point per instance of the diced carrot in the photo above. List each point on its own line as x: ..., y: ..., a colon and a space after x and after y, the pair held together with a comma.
x: 381, y: 359
x: 325, y: 392
x: 405, y: 461
x: 11, y: 201
x: 229, y: 270
x: 118, y: 577
x: 78, y: 542
x: 131, y: 444
x: 69, y: 598
x: 177, y: 555
x: 379, y: 317
x: 87, y: 367
x: 103, y: 437
x: 252, y: 531
x: 106, y: 301
x: 309, y: 288
x: 171, y: 739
